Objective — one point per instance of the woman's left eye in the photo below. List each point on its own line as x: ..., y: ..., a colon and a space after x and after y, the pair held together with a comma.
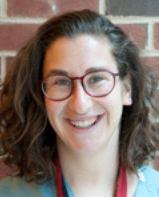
x: 95, y: 79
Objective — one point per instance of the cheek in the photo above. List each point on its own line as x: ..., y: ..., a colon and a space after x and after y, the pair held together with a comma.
x: 113, y: 107
x: 55, y: 112
x: 111, y: 103
x: 51, y: 109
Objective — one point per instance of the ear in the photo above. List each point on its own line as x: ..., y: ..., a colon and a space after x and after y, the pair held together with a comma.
x: 127, y: 91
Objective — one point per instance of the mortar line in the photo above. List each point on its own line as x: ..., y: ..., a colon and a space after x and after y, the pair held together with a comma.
x: 8, y: 53
x: 121, y: 19
x: 4, y: 8
x: 132, y: 19
x: 3, y: 67
x: 149, y: 53
x: 102, y: 6
x: 150, y: 36
x: 23, y: 20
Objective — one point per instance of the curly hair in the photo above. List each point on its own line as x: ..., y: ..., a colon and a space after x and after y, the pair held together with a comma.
x: 26, y: 137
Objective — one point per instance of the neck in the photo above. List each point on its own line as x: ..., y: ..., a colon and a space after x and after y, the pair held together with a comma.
x: 89, y: 170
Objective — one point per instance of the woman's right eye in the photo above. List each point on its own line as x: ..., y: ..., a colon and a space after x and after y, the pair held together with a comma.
x: 62, y: 82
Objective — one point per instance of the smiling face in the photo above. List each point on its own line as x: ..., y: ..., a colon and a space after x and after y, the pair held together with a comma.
x: 84, y: 123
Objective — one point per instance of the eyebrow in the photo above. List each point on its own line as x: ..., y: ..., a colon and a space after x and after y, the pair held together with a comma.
x: 63, y: 72
x: 95, y: 69
x: 58, y: 71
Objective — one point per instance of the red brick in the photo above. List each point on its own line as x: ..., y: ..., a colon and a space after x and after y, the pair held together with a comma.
x: 30, y: 8
x: 14, y: 36
x: 133, y: 8
x: 43, y: 8
x: 156, y: 163
x: 67, y: 5
x: 156, y: 35
x: 136, y: 32
x: 152, y: 62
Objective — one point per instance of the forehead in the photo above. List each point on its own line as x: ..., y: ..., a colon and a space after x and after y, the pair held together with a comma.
x: 78, y: 54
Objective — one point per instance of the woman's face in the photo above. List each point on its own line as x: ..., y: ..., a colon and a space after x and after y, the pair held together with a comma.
x: 101, y: 116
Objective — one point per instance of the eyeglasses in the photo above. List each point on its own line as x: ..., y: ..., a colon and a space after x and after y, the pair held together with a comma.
x: 58, y: 87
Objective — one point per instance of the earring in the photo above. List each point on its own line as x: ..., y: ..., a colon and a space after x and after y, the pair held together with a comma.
x: 130, y: 99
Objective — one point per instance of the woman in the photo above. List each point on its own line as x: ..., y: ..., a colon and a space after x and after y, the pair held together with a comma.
x: 77, y: 114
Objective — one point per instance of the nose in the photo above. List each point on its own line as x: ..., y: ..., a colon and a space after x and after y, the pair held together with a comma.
x: 80, y: 102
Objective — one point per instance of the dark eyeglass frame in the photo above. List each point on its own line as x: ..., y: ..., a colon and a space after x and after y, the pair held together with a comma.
x: 114, y: 75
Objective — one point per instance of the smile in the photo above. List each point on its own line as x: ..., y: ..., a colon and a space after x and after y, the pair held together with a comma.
x: 84, y: 124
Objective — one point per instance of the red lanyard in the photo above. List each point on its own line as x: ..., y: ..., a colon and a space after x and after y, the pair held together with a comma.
x: 122, y: 181
x: 58, y: 181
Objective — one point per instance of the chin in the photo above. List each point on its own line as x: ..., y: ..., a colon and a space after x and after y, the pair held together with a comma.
x: 87, y: 147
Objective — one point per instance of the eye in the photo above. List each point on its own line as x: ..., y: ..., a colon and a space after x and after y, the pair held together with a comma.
x: 63, y: 82
x: 57, y: 82
x: 95, y: 79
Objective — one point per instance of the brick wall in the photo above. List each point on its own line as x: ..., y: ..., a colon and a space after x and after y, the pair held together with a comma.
x: 19, y: 19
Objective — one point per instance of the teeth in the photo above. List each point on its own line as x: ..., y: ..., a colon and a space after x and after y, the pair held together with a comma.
x: 83, y: 124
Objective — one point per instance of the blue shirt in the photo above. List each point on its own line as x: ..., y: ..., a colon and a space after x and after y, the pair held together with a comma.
x: 148, y: 186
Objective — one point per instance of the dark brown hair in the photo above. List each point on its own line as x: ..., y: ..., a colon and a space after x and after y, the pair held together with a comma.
x: 28, y: 140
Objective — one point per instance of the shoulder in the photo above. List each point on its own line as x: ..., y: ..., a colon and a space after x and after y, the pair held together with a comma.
x: 148, y: 185
x: 150, y: 175
x: 18, y: 187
